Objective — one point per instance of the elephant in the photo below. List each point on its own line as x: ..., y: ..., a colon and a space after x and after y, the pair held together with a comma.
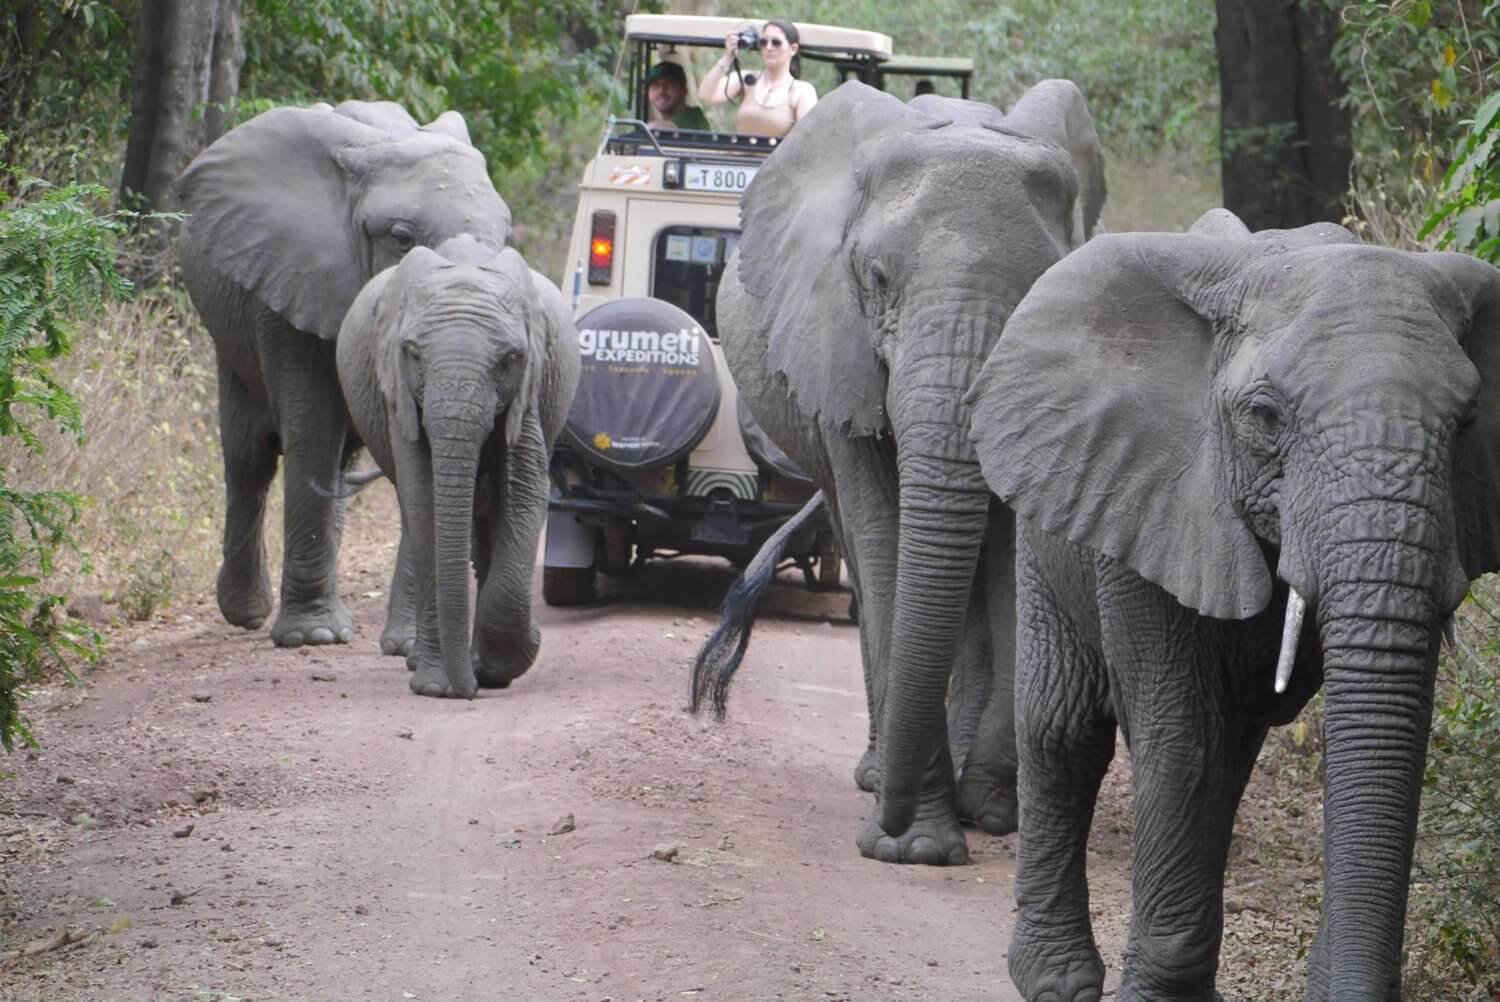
x: 1243, y: 467
x: 883, y: 247
x: 458, y: 366
x: 291, y: 214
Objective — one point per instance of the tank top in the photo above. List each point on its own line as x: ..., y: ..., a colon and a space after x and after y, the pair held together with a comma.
x: 774, y: 119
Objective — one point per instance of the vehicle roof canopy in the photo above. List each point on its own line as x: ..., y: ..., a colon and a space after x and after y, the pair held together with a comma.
x: 817, y: 40
x: 938, y: 66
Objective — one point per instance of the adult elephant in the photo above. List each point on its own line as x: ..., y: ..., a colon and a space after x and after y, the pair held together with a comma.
x: 1206, y: 438
x: 458, y: 366
x: 884, y: 246
x: 291, y: 214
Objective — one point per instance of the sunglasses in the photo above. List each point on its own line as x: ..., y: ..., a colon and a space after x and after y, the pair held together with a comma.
x: 772, y: 43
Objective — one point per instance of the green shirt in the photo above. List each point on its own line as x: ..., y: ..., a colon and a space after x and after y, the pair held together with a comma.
x: 691, y: 117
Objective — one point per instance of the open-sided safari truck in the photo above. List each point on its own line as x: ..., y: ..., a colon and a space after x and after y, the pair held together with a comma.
x: 658, y: 458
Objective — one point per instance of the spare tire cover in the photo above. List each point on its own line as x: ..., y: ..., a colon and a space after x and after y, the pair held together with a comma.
x: 648, y: 390
x: 766, y: 453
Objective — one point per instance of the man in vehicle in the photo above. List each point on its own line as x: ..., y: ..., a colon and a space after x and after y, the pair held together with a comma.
x: 666, y: 89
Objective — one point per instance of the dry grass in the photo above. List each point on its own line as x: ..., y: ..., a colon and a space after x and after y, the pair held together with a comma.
x: 148, y: 466
x: 1165, y: 193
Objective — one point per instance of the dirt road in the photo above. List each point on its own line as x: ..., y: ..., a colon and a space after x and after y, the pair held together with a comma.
x: 223, y: 820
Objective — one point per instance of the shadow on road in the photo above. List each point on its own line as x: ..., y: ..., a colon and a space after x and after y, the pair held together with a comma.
x: 698, y: 584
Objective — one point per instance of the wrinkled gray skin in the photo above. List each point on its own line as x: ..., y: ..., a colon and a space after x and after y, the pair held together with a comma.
x: 458, y: 366
x: 292, y: 213
x: 1186, y: 425
x: 884, y: 247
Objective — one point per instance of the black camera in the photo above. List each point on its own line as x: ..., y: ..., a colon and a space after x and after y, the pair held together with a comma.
x: 748, y: 38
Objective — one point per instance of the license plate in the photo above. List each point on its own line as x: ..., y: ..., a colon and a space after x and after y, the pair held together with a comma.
x: 717, y: 177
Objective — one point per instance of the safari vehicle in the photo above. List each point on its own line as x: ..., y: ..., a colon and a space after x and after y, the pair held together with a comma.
x: 658, y: 457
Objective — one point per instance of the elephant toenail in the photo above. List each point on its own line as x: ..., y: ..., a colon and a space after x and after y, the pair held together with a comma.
x: 293, y: 639
x: 255, y: 624
x: 321, y: 635
x: 346, y: 635
x: 389, y: 647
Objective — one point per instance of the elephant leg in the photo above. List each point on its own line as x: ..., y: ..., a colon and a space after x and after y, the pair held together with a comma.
x: 400, y: 632
x: 987, y: 784
x: 314, y: 433
x: 1189, y: 767
x: 1065, y: 739
x: 863, y: 497
x: 247, y: 438
x: 507, y: 638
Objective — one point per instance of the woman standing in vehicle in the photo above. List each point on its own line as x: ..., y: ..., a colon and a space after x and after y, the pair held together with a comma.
x: 776, y: 100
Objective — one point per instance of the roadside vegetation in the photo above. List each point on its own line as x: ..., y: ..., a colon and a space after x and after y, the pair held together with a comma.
x: 109, y: 465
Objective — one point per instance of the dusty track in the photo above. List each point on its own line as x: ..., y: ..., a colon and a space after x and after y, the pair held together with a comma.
x: 353, y: 841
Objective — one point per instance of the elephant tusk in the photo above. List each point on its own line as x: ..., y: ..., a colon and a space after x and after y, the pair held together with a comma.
x: 1450, y: 632
x: 1296, y: 606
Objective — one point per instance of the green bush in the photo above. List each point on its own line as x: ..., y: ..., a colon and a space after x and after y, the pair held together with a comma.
x: 56, y: 262
x: 1470, y: 212
x: 1454, y: 942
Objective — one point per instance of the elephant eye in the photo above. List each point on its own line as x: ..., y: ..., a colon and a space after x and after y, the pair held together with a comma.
x: 1267, y: 415
x: 404, y: 237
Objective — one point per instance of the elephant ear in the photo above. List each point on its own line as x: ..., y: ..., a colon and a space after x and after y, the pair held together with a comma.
x: 795, y: 217
x: 1055, y: 111
x: 271, y: 212
x: 1476, y: 452
x: 1094, y: 415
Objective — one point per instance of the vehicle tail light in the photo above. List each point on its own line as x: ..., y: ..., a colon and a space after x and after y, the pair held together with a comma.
x: 602, y: 248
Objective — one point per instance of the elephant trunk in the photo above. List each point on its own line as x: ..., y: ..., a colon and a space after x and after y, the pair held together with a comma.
x: 944, y: 512
x: 457, y: 427
x: 1380, y: 652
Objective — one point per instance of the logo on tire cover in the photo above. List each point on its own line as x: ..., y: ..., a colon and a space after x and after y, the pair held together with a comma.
x: 601, y: 441
x: 649, y: 347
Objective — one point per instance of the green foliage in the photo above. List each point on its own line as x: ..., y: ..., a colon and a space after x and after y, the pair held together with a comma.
x: 63, y: 67
x: 1471, y: 189
x: 1456, y: 883
x: 510, y: 67
x: 56, y: 261
x: 1417, y: 71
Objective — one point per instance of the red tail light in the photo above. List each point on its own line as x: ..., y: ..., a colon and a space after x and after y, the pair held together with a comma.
x: 602, y: 248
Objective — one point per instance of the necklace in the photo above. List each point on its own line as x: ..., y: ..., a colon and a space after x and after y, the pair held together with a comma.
x: 771, y: 89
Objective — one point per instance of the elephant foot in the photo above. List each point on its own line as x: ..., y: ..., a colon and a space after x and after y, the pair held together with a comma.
x: 247, y: 605
x: 867, y: 772
x: 398, y: 643
x: 499, y: 662
x: 324, y: 622
x: 433, y: 681
x: 1049, y: 965
x: 989, y: 804
x: 933, y: 839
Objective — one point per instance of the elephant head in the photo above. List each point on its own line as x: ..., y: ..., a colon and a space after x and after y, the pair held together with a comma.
x: 301, y: 207
x: 459, y: 336
x: 884, y: 248
x: 1217, y: 410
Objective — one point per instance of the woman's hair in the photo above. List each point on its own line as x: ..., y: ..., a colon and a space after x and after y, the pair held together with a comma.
x: 790, y: 31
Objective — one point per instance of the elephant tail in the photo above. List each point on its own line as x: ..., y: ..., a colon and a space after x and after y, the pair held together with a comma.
x: 723, y: 651
x: 350, y: 483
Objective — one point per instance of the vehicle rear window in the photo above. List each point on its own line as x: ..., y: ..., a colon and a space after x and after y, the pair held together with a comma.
x: 687, y: 266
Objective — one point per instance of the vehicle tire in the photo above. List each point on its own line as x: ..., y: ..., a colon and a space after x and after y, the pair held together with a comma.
x: 829, y: 563
x: 564, y: 586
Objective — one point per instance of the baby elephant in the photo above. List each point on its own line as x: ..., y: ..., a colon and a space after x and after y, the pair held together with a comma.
x: 459, y: 365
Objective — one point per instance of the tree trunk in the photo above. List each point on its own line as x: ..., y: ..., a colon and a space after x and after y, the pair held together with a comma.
x: 1284, y: 141
x: 188, y: 57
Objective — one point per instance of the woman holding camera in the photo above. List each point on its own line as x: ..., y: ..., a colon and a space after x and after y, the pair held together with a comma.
x: 776, y: 100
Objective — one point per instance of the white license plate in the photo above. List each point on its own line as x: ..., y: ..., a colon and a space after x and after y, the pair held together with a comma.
x: 717, y: 177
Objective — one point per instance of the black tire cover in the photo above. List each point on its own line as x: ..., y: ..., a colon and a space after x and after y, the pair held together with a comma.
x: 766, y: 453
x: 648, y: 390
